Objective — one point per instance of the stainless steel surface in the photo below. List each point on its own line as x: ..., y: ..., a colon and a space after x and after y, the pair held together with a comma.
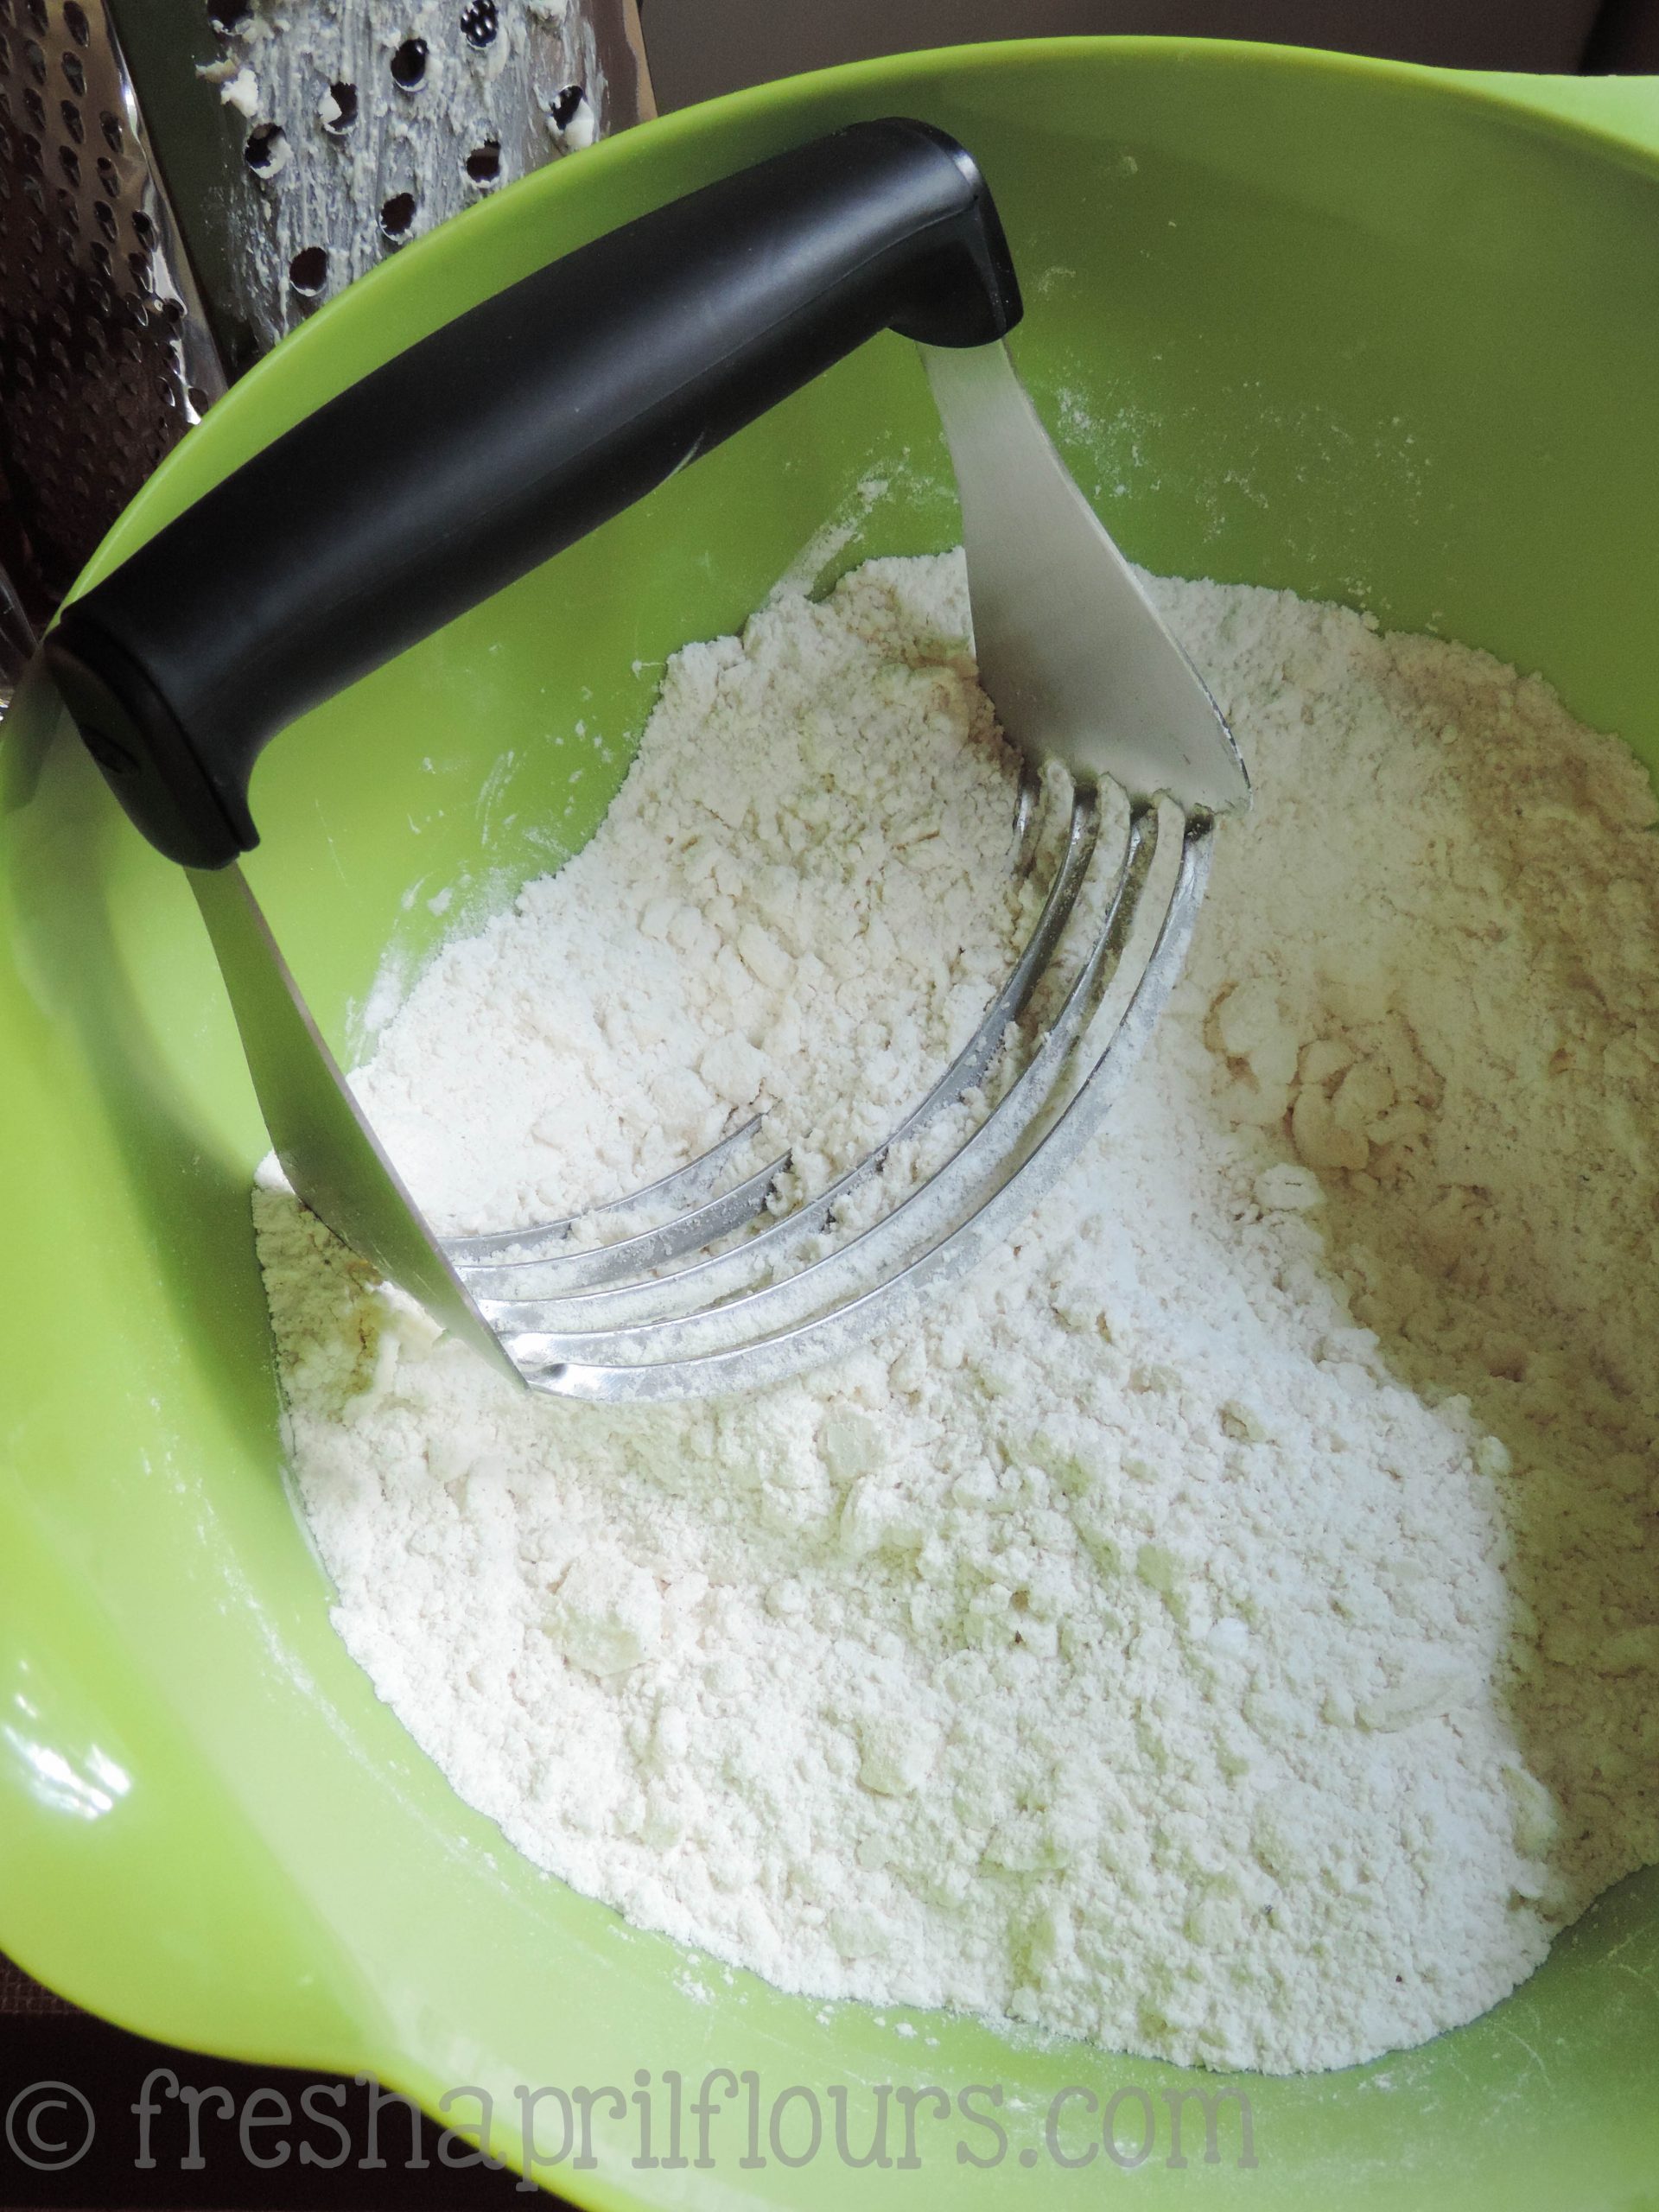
x: 305, y: 142
x: 17, y: 639
x: 689, y: 1184
x: 329, y: 1153
x: 105, y: 356
x: 181, y: 182
x: 1076, y: 657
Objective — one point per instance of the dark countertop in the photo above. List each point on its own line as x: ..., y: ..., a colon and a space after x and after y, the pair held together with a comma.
x: 77, y: 2075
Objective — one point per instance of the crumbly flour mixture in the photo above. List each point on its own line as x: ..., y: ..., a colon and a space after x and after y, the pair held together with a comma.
x: 1227, y: 1627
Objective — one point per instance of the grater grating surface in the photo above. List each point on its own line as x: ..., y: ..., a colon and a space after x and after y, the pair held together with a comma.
x: 104, y: 355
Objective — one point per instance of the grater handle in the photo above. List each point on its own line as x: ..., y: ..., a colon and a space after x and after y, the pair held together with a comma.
x: 500, y: 439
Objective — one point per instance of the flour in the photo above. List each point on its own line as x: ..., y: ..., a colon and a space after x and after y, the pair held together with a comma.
x: 801, y: 909
x: 1224, y: 1626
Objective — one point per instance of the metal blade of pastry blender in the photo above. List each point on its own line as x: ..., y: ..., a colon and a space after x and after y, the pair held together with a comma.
x: 328, y: 1152
x: 1076, y: 658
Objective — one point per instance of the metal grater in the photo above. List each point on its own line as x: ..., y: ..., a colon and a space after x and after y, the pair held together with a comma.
x: 182, y: 181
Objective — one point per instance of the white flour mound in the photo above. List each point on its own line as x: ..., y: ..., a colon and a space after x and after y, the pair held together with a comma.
x: 1227, y: 1627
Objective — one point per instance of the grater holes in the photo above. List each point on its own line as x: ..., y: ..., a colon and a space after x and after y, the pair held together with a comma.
x: 69, y: 163
x: 75, y: 17
x: 483, y: 165
x: 36, y: 12
x: 69, y: 116
x: 109, y: 177
x: 408, y: 65
x: 103, y: 216
x: 33, y: 107
x: 571, y: 118
x: 35, y: 60
x: 398, y: 217
x: 338, y: 113
x: 266, y: 151
x: 74, y: 74
x: 480, y: 22
x: 114, y: 137
x: 307, y: 272
x: 144, y: 230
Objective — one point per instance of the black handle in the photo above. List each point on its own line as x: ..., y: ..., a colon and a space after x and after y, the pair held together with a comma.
x: 501, y: 439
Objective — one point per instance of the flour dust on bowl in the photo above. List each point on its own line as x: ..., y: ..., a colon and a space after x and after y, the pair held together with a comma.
x: 1288, y: 339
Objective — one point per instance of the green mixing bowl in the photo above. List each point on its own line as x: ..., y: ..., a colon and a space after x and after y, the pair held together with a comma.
x: 1371, y: 333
